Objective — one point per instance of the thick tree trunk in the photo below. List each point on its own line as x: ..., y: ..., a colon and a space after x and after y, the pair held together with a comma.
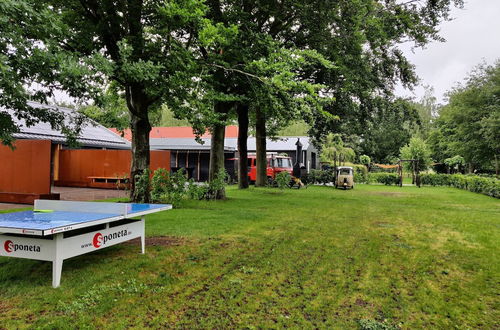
x: 471, y: 168
x: 138, y: 106
x: 140, y: 128
x: 242, y: 146
x: 260, y: 137
x: 217, y: 150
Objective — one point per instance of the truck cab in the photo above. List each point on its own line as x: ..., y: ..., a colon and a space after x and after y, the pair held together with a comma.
x: 275, y: 165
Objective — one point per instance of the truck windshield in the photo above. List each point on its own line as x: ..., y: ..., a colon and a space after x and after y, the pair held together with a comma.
x: 282, y: 162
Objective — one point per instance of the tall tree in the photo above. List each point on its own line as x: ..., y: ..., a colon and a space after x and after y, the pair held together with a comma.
x: 469, y: 124
x: 250, y: 70
x: 390, y: 126
x: 142, y: 46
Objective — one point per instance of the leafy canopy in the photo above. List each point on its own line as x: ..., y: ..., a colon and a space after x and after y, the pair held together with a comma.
x: 469, y: 125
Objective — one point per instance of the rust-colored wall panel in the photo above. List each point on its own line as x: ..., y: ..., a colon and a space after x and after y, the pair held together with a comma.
x: 76, y: 166
x: 26, y: 169
x: 159, y: 159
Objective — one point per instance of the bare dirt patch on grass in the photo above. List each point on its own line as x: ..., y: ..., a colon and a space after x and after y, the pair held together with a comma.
x: 160, y: 241
x: 389, y: 193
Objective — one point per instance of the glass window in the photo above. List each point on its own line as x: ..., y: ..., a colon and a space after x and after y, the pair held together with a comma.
x: 344, y: 171
x: 282, y: 162
x: 249, y: 160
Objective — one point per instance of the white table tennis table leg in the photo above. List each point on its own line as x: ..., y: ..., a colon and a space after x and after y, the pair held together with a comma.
x: 57, y: 263
x: 143, y: 235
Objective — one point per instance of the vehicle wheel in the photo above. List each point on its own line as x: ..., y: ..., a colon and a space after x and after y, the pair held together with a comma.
x: 345, y: 187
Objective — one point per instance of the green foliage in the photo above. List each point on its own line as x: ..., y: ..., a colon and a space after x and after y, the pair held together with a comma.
x: 143, y: 48
x: 197, y: 191
x: 334, y: 152
x: 142, y: 187
x: 473, y: 183
x: 283, y: 180
x: 168, y: 188
x: 469, y: 124
x: 166, y: 118
x: 320, y: 177
x: 389, y: 127
x: 112, y: 112
x: 217, y: 184
x: 417, y: 149
x: 30, y: 58
x: 360, y: 173
x: 299, y: 128
x: 455, y: 162
x: 173, y: 188
x: 385, y: 178
x: 365, y: 160
x: 427, y: 109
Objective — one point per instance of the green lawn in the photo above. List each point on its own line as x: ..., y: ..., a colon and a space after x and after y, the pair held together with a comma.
x: 408, y: 257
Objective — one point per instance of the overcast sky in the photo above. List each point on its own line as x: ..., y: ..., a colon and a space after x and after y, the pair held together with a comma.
x: 471, y: 37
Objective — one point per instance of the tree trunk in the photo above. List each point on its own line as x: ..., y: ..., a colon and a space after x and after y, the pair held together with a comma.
x: 242, y: 146
x: 138, y: 106
x: 496, y: 165
x: 217, y: 150
x: 260, y: 141
x: 140, y: 128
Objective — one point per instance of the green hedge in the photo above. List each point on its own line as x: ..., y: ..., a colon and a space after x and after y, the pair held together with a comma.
x: 360, y: 173
x: 318, y: 176
x: 385, y: 178
x: 327, y: 176
x: 474, y: 183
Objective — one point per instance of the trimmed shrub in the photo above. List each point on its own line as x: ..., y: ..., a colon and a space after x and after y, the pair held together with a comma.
x: 473, y: 183
x: 283, y: 179
x: 360, y: 173
x: 320, y: 176
x: 168, y: 188
x: 385, y: 178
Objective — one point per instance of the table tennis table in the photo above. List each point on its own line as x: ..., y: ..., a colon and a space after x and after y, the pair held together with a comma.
x: 58, y: 230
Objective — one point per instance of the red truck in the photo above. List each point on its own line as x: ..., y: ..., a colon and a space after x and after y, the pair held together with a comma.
x: 275, y: 165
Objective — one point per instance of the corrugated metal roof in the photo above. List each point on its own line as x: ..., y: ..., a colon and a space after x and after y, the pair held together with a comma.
x: 230, y: 144
x: 92, y: 134
x: 282, y: 144
x: 183, y: 144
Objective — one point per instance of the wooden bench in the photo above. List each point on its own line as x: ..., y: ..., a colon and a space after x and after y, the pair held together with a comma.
x: 109, y: 182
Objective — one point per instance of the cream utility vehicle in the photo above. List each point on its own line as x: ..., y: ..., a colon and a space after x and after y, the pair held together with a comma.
x: 344, y: 177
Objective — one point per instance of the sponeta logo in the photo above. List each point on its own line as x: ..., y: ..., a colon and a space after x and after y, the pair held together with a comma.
x: 100, y: 239
x: 97, y: 241
x: 10, y: 247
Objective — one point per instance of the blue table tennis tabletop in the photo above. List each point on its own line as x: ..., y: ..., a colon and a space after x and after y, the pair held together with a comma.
x: 41, y: 221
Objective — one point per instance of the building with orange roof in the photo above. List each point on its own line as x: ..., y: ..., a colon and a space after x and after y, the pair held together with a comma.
x: 175, y: 132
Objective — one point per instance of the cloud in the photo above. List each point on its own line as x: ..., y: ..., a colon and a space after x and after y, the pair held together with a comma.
x: 471, y: 38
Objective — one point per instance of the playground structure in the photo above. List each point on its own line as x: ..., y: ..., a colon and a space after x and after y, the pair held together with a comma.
x: 399, y: 166
x: 414, y: 168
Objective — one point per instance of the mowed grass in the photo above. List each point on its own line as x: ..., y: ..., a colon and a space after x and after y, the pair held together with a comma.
x: 315, y: 258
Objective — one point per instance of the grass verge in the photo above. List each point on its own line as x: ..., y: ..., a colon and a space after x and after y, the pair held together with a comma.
x: 372, y: 256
